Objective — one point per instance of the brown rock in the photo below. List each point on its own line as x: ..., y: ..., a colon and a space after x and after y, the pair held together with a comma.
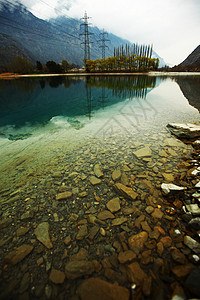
x: 78, y: 268
x: 17, y: 255
x: 124, y: 179
x: 147, y: 286
x: 136, y: 242
x: 4, y: 223
x: 57, y: 276
x: 67, y: 240
x: 94, y: 180
x: 136, y: 274
x: 139, y: 220
x: 82, y: 232
x: 125, y: 191
x: 22, y: 231
x: 126, y: 256
x: 42, y: 234
x: 182, y: 271
x: 93, y: 232
x: 149, y: 209
x: 116, y: 174
x: 178, y: 256
x: 157, y: 214
x: 64, y: 195
x: 167, y: 241
x: 145, y: 226
x: 104, y: 215
x: 98, y: 289
x: 97, y: 171
x: 114, y: 205
x: 160, y: 249
x: 119, y: 221
x: 27, y: 215
x: 147, y: 258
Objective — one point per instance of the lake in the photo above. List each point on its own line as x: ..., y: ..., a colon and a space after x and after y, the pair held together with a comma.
x: 82, y: 162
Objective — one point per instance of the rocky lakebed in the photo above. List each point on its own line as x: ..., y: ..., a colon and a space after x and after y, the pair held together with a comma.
x: 105, y: 222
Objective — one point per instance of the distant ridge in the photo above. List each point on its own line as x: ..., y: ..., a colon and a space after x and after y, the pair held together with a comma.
x: 191, y: 63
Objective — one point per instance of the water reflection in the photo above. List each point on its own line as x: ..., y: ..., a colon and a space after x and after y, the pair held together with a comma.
x: 30, y: 101
x: 190, y: 87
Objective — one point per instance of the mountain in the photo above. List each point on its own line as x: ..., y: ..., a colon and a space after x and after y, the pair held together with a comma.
x: 10, y: 49
x: 191, y: 63
x: 26, y: 35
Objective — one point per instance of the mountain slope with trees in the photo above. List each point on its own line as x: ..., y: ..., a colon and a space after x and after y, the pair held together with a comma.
x: 57, y: 39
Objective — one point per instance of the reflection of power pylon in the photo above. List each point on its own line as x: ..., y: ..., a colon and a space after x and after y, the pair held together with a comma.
x: 103, y: 96
x: 103, y: 40
x: 86, y: 35
x: 89, y: 102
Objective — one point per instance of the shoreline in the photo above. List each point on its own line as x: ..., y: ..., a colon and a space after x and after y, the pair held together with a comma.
x: 154, y: 73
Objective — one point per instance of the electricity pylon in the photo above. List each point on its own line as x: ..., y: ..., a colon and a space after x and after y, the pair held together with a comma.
x: 86, y: 35
x: 103, y: 40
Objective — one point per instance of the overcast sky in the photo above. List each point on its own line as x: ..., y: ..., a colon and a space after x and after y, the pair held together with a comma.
x: 173, y: 26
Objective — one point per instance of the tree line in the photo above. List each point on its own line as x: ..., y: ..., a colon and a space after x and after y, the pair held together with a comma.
x: 134, y: 58
x: 22, y: 65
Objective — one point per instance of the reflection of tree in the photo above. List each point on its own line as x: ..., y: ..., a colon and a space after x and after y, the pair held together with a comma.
x: 124, y: 86
x: 25, y: 84
x: 190, y: 87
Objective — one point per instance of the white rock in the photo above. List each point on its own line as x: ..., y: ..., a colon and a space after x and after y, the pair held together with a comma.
x: 197, y: 185
x: 170, y: 187
x: 193, y: 208
x: 195, y: 172
x: 192, y: 244
x: 184, y: 130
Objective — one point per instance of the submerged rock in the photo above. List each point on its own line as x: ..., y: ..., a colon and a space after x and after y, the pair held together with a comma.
x: 98, y: 289
x: 192, y: 244
x: 143, y: 152
x: 94, y: 180
x: 170, y: 187
x: 184, y: 130
x: 42, y: 234
x: 77, y: 269
x: 97, y: 171
x: 125, y: 191
x: 113, y: 205
x: 18, y: 254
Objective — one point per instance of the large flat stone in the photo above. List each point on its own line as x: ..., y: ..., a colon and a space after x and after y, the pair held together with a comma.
x: 18, y: 254
x: 136, y: 242
x: 113, y: 205
x: 64, y: 195
x: 143, y: 152
x: 184, y: 130
x: 192, y: 244
x: 98, y: 289
x: 125, y: 191
x: 78, y: 268
x: 42, y: 234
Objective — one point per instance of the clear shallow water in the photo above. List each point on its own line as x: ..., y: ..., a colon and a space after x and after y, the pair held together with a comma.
x: 44, y: 122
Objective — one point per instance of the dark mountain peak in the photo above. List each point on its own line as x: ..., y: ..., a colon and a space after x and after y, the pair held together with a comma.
x: 193, y: 58
x: 191, y: 63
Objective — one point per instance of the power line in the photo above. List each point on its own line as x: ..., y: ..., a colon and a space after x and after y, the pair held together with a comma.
x: 51, y: 23
x: 103, y: 41
x: 35, y: 33
x: 86, y: 35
